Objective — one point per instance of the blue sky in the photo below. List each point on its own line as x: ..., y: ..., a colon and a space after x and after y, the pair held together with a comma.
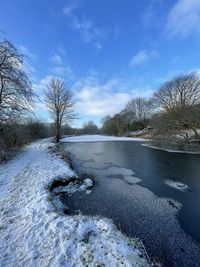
x: 108, y: 51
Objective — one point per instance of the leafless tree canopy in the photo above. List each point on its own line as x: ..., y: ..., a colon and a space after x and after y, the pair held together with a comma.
x: 16, y: 92
x: 181, y: 92
x: 179, y: 100
x: 59, y: 102
x: 140, y: 108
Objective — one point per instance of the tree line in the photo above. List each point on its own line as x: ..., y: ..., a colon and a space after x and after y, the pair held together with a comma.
x: 173, y: 112
x: 18, y: 122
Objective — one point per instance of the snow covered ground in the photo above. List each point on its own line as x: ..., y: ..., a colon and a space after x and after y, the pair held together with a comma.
x: 98, y: 138
x: 34, y: 233
x: 171, y: 150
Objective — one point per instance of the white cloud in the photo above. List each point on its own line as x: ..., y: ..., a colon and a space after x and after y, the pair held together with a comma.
x: 184, y: 18
x: 145, y: 92
x: 28, y: 57
x: 89, y: 32
x: 56, y: 59
x: 65, y: 72
x: 26, y: 52
x: 151, y: 15
x: 143, y: 56
x: 139, y: 58
x: 42, y: 84
x: 40, y: 107
x: 61, y: 50
x: 95, y: 99
x: 68, y: 10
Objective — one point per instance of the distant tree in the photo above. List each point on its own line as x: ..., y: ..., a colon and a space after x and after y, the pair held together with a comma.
x: 16, y: 93
x: 58, y: 98
x: 37, y: 129
x: 111, y: 125
x: 179, y: 101
x: 127, y: 118
x: 90, y: 128
x: 137, y: 113
x: 140, y: 108
x: 68, y: 130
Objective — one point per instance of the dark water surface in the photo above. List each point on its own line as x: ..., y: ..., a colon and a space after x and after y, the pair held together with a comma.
x: 151, y: 194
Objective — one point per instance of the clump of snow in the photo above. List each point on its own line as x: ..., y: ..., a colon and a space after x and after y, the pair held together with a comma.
x: 132, y: 179
x: 174, y: 204
x: 33, y: 233
x: 73, y: 187
x: 99, y: 138
x: 88, y: 182
x: 177, y: 185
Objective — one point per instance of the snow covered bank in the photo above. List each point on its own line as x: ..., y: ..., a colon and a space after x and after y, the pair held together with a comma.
x: 34, y: 233
x: 99, y: 138
x: 171, y: 150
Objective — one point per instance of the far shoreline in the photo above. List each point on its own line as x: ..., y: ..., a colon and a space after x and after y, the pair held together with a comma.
x: 171, y: 150
x: 147, y: 139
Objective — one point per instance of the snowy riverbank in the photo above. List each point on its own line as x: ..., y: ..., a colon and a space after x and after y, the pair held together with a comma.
x: 34, y: 233
x: 99, y: 138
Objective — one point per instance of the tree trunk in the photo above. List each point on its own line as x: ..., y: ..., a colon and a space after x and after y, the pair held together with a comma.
x: 58, y: 131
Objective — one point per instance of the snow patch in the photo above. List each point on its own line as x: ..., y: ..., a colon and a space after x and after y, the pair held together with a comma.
x: 33, y: 233
x: 174, y: 204
x: 132, y: 179
x: 177, y: 185
x: 72, y: 187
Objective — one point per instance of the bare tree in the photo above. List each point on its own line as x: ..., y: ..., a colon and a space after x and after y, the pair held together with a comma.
x: 59, y: 102
x: 180, y: 92
x: 180, y: 100
x: 16, y: 94
x: 128, y: 118
x: 139, y: 109
x: 90, y: 128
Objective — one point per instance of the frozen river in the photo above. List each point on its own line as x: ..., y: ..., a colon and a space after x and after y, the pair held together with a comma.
x: 151, y: 194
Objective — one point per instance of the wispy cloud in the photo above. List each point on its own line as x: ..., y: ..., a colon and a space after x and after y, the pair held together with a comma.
x: 142, y: 57
x: 41, y: 85
x: 61, y: 71
x: 61, y: 50
x: 26, y: 52
x: 58, y: 68
x: 28, y: 59
x: 151, y: 16
x: 89, y: 32
x: 184, y: 18
x: 56, y: 59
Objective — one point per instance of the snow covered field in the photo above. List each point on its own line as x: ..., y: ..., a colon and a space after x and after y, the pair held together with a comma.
x: 34, y: 233
x: 99, y: 138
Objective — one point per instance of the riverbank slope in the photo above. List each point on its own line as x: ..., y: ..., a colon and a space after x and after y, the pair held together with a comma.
x: 34, y: 233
